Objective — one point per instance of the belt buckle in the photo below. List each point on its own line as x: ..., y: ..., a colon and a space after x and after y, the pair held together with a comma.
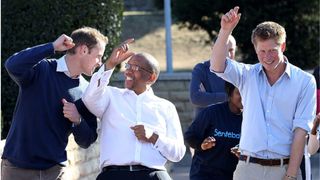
x: 130, y: 168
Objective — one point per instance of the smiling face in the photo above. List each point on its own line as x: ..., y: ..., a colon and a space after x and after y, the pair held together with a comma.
x: 91, y: 59
x: 270, y: 54
x: 138, y: 75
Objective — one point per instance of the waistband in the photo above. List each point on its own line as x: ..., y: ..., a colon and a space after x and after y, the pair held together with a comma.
x: 128, y: 168
x: 264, y: 162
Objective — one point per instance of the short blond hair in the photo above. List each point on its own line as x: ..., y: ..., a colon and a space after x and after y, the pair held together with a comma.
x: 268, y: 30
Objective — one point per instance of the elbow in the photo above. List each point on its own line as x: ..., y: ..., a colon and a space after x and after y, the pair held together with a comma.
x: 180, y: 154
x: 86, y: 144
x: 218, y: 68
x: 195, y: 99
x: 8, y: 65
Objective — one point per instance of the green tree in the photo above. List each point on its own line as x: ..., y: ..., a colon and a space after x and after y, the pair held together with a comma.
x: 300, y: 19
x: 28, y: 23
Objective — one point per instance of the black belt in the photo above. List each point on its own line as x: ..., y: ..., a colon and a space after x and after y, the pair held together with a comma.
x: 264, y: 162
x: 128, y: 168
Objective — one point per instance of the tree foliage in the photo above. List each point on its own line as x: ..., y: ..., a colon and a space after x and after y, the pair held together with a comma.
x: 300, y: 19
x: 28, y: 23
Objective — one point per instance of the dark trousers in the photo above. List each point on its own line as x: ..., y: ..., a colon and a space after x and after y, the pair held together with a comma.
x: 134, y: 175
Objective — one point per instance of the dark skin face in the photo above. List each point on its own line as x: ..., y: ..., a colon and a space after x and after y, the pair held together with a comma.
x: 235, y: 106
x: 138, y: 80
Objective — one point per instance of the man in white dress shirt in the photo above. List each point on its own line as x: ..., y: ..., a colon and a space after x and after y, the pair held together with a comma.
x: 139, y: 131
x: 278, y: 100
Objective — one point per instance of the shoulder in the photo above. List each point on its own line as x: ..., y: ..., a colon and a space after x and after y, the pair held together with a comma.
x: 300, y: 75
x: 214, y: 108
x: 163, y: 102
x: 202, y: 65
x: 47, y: 63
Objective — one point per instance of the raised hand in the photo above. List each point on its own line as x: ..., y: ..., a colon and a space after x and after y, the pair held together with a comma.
x: 63, y: 43
x: 70, y: 111
x: 208, y: 143
x: 230, y: 19
x: 119, y: 54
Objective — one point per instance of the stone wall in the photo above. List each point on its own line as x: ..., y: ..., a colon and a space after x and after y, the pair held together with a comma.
x: 84, y: 163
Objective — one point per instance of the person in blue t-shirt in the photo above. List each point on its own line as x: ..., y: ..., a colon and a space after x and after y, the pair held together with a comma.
x: 44, y: 116
x: 212, y: 134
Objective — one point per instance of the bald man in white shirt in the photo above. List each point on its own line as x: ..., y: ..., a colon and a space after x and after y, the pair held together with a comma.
x: 139, y: 131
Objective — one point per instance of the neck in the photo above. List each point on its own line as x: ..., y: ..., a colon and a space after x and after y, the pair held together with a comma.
x: 72, y: 65
x: 275, y: 74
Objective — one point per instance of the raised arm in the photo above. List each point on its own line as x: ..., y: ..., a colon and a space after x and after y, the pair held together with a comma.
x: 20, y: 66
x: 228, y: 23
x: 199, y: 95
x: 96, y: 97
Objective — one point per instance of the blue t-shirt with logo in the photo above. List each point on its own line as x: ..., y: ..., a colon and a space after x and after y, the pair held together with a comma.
x: 218, y: 162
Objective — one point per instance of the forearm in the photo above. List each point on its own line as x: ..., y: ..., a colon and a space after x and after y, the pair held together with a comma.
x: 85, y: 133
x: 204, y: 99
x: 193, y: 142
x: 218, y: 57
x: 96, y: 97
x: 313, y: 144
x: 171, y: 149
x: 297, y: 148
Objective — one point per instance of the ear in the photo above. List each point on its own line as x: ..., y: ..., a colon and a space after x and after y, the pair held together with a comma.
x: 83, y: 49
x: 153, y: 78
x: 283, y: 46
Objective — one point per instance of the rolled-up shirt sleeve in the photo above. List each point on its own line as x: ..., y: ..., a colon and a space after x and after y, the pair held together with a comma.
x: 306, y: 109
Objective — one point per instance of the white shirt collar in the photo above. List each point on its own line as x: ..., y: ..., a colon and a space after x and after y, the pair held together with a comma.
x: 62, y: 67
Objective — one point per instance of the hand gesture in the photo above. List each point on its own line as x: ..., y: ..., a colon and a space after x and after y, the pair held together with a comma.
x: 119, y: 54
x: 141, y: 133
x: 230, y: 19
x: 208, y: 143
x: 236, y: 151
x: 70, y: 111
x: 63, y: 43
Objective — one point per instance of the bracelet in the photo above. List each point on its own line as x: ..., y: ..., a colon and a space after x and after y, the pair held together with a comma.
x: 291, y: 177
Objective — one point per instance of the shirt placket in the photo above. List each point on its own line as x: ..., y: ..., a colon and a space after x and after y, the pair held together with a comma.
x: 137, y: 156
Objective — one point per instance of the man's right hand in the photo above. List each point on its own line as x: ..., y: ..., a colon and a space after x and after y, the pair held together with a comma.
x: 63, y: 43
x: 208, y: 143
x: 230, y: 19
x: 119, y: 54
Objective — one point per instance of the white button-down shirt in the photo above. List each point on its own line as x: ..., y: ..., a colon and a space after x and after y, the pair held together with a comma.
x: 120, y: 109
x: 271, y: 113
